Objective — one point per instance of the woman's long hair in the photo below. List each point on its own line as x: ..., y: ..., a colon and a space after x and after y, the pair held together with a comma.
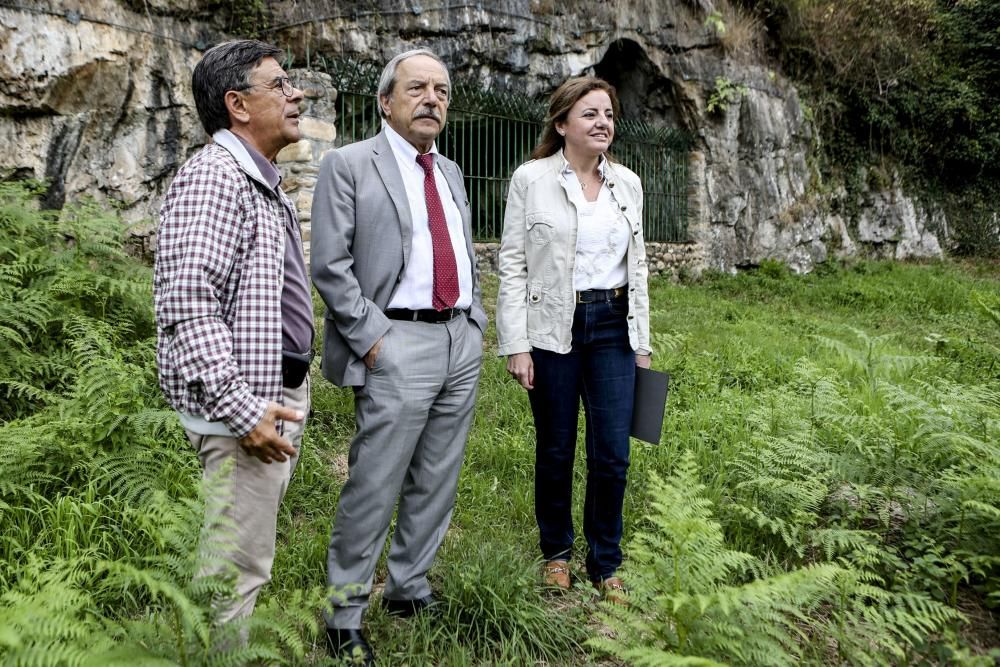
x: 560, y: 103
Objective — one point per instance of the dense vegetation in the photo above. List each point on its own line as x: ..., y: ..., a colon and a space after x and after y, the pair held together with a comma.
x: 913, y: 84
x: 99, y: 493
x: 827, y: 490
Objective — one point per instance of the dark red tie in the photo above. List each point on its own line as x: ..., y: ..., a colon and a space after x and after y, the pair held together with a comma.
x: 445, y: 271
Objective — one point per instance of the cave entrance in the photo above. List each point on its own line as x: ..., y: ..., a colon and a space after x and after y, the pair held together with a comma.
x: 645, y: 94
x: 647, y: 137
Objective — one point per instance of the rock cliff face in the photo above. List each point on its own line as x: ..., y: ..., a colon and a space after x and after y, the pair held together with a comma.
x: 96, y: 99
x: 97, y: 109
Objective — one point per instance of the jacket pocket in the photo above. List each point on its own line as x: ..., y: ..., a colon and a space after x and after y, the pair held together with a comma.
x: 540, y: 228
x: 541, y: 314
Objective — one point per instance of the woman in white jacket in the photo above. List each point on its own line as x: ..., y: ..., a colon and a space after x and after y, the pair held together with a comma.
x: 573, y: 320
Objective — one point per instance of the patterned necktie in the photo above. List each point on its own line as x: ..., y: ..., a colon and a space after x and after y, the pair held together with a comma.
x: 445, y: 271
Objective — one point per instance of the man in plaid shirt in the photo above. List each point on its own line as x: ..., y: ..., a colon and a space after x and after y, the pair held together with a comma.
x: 233, y: 305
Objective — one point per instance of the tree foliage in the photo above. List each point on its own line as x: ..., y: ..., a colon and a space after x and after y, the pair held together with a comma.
x: 914, y: 80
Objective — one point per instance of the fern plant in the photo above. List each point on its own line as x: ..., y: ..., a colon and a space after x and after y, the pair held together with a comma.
x: 61, y: 275
x: 694, y: 601
x: 99, y: 484
x: 52, y: 616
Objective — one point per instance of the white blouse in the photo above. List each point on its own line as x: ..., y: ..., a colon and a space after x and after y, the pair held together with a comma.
x: 602, y: 237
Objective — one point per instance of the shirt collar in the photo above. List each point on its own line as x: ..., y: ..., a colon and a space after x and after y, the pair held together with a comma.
x: 602, y: 163
x: 268, y: 171
x: 404, y: 149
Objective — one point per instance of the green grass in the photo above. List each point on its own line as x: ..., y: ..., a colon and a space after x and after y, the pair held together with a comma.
x: 736, y: 347
x: 830, y: 454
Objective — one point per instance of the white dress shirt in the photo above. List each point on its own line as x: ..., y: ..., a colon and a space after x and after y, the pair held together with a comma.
x: 415, y: 290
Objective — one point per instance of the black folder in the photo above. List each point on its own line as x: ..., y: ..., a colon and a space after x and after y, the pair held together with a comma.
x: 650, y: 401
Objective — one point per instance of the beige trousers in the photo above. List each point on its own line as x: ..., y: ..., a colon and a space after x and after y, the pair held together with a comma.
x: 241, y: 520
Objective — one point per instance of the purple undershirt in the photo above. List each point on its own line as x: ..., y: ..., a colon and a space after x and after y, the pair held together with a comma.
x: 296, y: 297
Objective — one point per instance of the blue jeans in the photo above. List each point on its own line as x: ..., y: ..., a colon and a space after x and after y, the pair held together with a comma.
x: 600, y: 370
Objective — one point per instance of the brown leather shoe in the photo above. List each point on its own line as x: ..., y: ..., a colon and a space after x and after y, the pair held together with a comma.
x: 555, y: 573
x: 612, y: 590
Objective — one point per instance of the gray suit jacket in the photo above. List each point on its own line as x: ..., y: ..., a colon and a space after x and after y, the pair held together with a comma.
x: 361, y: 232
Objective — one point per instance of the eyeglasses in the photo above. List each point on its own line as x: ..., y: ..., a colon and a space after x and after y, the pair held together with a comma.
x: 283, y: 82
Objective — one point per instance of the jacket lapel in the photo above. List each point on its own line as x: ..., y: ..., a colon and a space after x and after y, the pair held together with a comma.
x: 457, y: 187
x: 388, y: 169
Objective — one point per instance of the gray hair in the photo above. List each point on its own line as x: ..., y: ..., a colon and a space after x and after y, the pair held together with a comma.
x: 387, y: 81
x: 223, y: 68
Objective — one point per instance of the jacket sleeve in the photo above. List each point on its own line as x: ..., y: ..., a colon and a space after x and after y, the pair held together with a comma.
x: 642, y: 288
x: 512, y: 309
x: 359, y: 321
x: 199, y: 238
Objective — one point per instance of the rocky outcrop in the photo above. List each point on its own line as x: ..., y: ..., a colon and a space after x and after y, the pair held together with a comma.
x: 96, y: 99
x: 98, y: 109
x: 754, y: 194
x: 757, y: 196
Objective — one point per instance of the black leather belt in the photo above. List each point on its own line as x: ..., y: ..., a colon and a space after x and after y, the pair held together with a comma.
x: 597, y: 295
x: 427, y: 315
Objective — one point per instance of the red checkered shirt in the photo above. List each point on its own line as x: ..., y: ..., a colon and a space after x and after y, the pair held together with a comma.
x: 217, y: 291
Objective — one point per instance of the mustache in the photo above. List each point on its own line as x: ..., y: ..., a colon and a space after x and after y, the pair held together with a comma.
x: 427, y: 113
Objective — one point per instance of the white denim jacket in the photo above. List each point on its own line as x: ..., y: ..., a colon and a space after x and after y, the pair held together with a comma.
x: 536, y: 302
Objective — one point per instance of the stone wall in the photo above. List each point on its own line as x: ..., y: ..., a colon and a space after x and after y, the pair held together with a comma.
x: 299, y: 162
x: 668, y: 260
x: 95, y: 96
x: 674, y: 260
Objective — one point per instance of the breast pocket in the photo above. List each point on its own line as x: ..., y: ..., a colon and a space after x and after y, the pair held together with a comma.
x: 541, y: 228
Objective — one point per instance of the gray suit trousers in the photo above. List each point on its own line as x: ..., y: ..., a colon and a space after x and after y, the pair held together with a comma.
x: 413, y: 415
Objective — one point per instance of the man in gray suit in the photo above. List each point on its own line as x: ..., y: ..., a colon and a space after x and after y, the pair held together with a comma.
x: 392, y: 258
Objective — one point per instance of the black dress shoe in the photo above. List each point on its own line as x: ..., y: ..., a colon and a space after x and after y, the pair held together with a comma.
x: 350, y: 645
x: 406, y: 608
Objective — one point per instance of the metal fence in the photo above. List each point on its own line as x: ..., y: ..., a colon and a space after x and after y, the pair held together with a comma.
x: 490, y: 133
